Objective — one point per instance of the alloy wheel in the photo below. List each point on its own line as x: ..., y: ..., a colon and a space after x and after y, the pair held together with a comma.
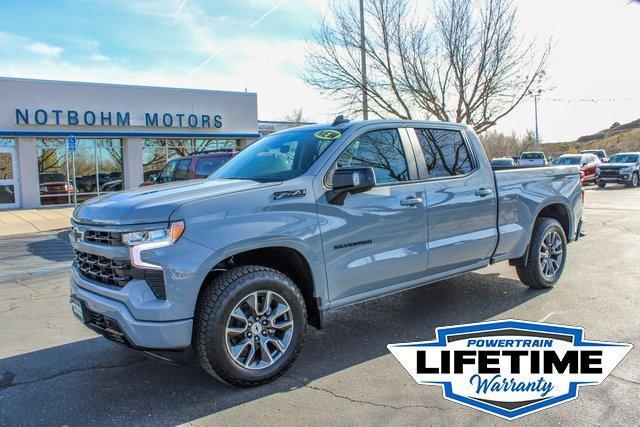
x: 259, y: 330
x: 551, y: 253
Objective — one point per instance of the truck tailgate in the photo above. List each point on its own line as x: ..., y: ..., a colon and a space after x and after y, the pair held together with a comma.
x: 523, y: 193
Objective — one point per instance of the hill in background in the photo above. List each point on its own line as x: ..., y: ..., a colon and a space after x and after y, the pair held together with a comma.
x: 616, y: 139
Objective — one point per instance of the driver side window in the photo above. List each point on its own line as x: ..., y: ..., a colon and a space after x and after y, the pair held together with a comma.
x: 381, y: 150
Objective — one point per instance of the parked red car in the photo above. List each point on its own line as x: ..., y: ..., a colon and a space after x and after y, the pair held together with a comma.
x: 195, y: 166
x: 587, y: 162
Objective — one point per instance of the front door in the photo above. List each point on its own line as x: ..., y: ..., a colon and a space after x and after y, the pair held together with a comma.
x: 376, y: 239
x: 9, y: 193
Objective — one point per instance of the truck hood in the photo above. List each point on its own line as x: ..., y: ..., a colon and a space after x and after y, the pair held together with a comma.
x: 155, y: 203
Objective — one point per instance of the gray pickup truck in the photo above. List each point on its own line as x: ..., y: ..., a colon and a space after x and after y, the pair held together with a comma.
x: 302, y: 222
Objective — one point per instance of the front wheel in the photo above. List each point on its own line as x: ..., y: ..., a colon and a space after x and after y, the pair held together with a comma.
x: 249, y: 325
x: 634, y: 180
x: 601, y: 184
x: 547, y: 255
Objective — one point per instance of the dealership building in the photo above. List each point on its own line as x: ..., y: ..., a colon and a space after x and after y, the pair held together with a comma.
x: 120, y: 135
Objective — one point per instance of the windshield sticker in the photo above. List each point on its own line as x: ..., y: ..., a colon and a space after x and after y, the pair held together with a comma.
x: 327, y: 134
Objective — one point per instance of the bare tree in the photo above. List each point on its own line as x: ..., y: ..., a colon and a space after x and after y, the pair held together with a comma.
x: 296, y: 117
x: 497, y: 144
x: 467, y: 64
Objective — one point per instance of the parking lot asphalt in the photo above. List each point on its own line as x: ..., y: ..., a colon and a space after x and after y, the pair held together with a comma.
x: 54, y: 371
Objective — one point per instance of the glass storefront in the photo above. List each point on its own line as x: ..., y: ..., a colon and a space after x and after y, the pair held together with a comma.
x: 157, y: 152
x: 8, y: 177
x: 95, y: 168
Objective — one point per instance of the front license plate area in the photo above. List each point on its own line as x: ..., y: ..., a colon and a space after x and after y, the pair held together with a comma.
x: 78, y: 309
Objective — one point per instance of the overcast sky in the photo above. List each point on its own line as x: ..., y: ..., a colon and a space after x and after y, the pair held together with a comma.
x: 258, y: 45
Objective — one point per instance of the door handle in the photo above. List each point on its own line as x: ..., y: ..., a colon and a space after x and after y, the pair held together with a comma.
x: 412, y: 201
x: 482, y: 192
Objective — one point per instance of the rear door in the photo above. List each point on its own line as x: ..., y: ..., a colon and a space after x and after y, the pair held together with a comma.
x: 460, y: 197
x: 375, y: 239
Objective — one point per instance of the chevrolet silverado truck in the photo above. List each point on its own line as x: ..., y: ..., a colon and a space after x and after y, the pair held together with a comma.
x: 304, y: 221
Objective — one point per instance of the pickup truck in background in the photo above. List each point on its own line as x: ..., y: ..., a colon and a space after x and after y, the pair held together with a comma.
x: 533, y: 158
x: 302, y: 222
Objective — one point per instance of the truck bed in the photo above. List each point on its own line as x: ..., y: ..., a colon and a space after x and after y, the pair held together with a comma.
x: 522, y: 194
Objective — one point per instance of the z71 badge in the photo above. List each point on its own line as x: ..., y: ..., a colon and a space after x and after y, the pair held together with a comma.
x: 510, y: 368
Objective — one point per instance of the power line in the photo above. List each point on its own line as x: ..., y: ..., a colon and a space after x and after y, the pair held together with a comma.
x: 591, y: 100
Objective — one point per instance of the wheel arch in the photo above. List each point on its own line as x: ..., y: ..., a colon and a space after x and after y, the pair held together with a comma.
x: 289, y: 260
x: 555, y: 209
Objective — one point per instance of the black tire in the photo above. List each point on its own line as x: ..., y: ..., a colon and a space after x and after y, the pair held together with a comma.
x: 532, y: 274
x: 217, y: 301
x: 635, y: 180
x: 601, y: 184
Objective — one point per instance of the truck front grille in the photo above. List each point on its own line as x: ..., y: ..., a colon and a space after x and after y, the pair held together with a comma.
x: 109, y: 238
x: 104, y: 270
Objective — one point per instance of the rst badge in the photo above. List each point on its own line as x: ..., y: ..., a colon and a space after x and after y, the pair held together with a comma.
x: 510, y: 368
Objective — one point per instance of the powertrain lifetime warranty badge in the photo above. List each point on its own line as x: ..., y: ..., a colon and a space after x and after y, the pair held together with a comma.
x: 510, y: 368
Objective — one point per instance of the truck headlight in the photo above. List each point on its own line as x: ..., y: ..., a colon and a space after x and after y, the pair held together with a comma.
x: 628, y: 169
x: 166, y: 235
x: 597, y: 171
x: 139, y: 241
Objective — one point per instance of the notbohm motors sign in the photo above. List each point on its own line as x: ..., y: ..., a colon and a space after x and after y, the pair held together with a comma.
x: 510, y: 368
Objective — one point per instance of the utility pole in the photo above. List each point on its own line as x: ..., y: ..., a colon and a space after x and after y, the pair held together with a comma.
x: 363, y: 64
x: 536, y: 95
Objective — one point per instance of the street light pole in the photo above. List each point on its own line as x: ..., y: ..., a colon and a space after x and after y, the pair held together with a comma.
x: 363, y: 64
x: 535, y: 95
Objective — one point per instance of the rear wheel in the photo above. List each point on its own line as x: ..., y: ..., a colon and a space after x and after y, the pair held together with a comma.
x: 250, y: 325
x: 547, y: 255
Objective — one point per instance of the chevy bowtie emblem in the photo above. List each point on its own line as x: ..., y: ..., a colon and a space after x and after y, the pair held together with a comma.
x: 510, y: 368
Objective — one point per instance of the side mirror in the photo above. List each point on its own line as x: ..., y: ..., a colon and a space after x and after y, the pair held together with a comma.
x: 153, y: 177
x: 350, y: 180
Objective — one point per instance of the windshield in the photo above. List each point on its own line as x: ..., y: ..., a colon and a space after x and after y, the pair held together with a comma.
x: 532, y: 156
x: 567, y: 160
x: 624, y: 158
x: 598, y: 153
x: 278, y: 157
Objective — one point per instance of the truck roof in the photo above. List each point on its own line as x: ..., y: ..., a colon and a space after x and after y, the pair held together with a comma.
x: 361, y: 123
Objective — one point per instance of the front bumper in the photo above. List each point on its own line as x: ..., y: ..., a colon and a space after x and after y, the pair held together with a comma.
x: 144, y: 317
x: 624, y: 178
x: 117, y: 324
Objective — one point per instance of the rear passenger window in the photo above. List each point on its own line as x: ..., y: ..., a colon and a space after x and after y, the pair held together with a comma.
x: 380, y: 149
x: 182, y: 171
x: 445, y: 152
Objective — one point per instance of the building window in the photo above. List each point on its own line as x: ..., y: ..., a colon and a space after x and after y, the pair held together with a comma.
x: 7, y: 178
x: 157, y: 152
x: 7, y: 143
x: 95, y: 168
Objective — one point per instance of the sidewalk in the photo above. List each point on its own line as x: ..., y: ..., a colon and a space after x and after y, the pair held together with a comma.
x: 22, y: 221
